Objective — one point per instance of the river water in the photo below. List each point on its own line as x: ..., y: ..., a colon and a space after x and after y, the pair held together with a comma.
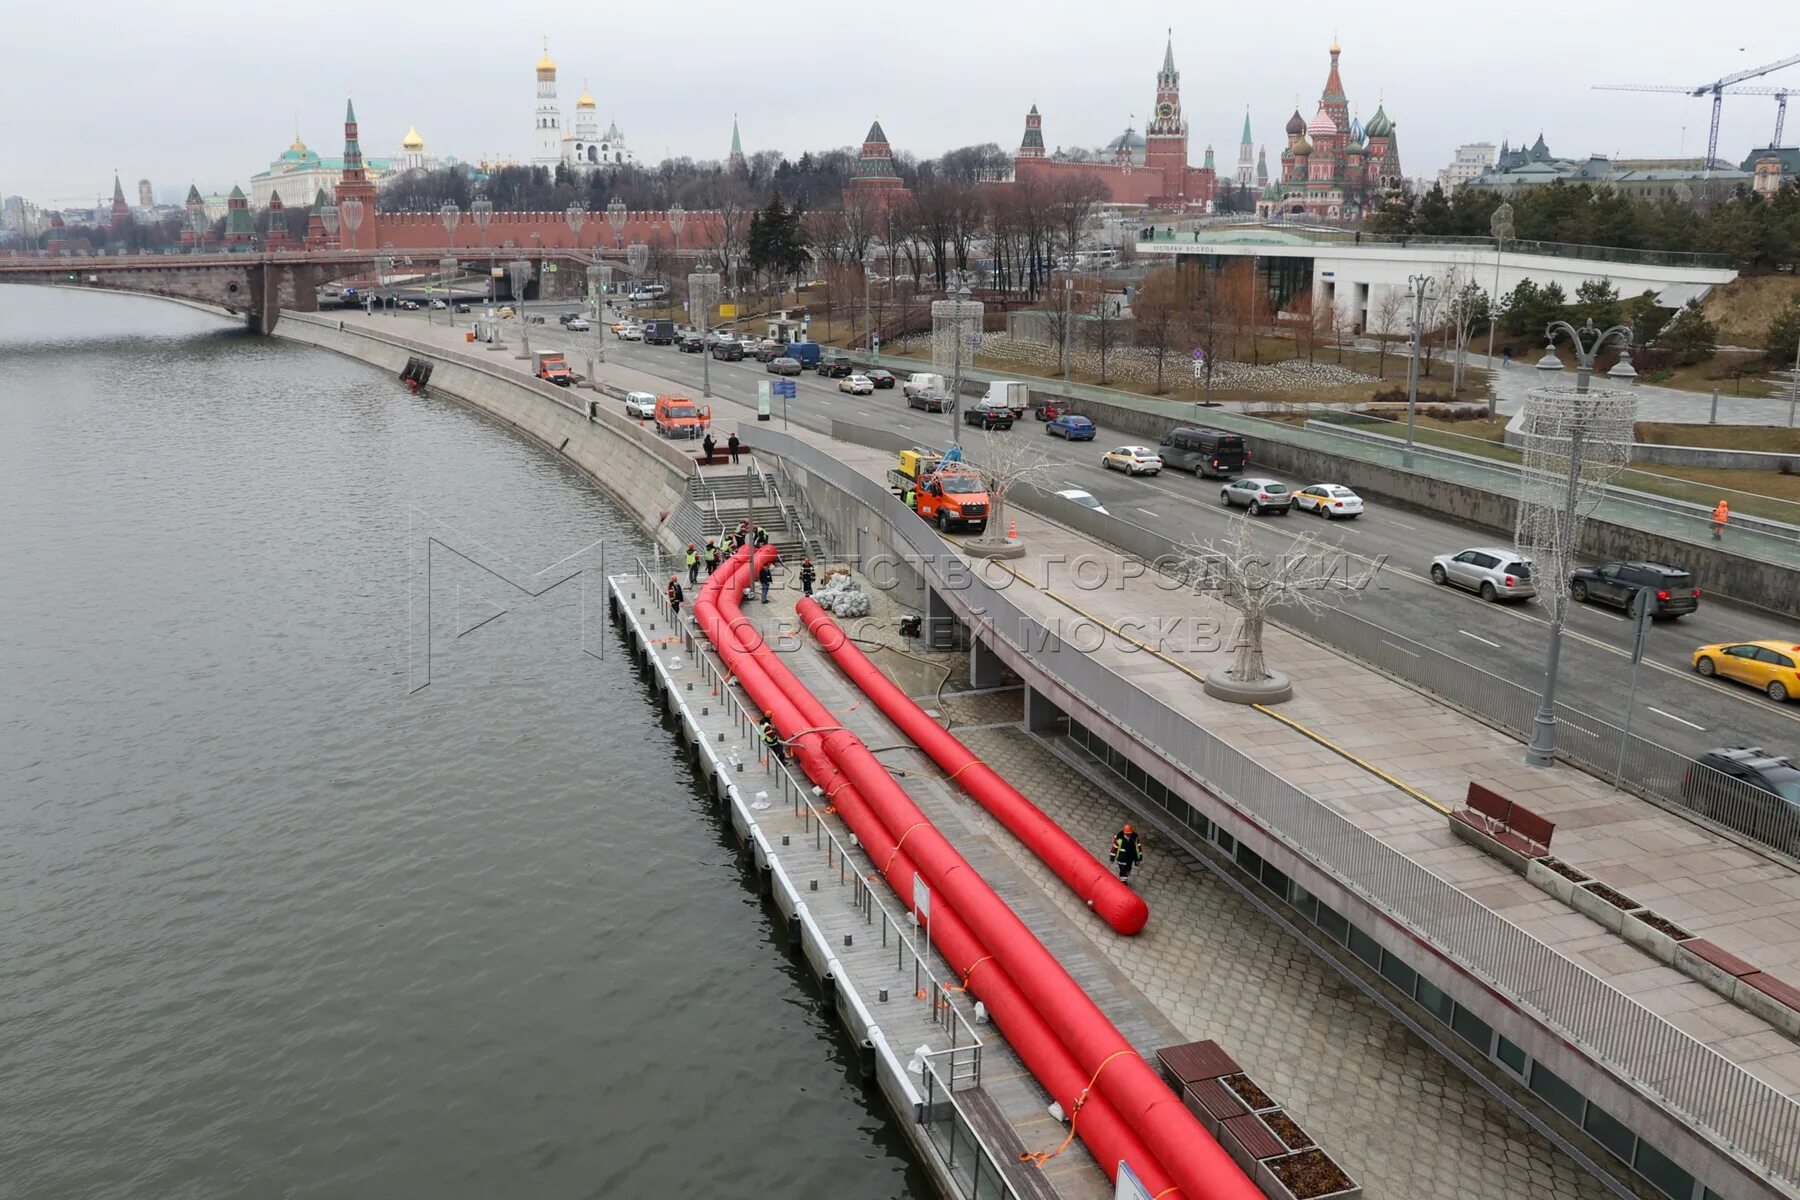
x: 279, y: 919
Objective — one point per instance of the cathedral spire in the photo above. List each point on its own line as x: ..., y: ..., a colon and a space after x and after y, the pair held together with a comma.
x: 737, y: 143
x: 1246, y: 139
x: 1168, y: 67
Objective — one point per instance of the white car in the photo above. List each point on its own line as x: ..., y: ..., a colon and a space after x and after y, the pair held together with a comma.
x: 631, y: 333
x: 439, y: 304
x: 857, y: 385
x: 1133, y: 460
x: 640, y: 404
x: 577, y: 325
x: 1085, y: 499
x: 1329, y: 500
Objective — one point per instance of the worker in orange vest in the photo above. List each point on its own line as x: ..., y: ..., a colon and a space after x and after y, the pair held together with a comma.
x: 1721, y: 514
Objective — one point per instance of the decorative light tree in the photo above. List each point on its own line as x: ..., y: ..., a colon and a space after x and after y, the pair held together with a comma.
x: 616, y: 214
x: 482, y: 212
x: 703, y: 299
x: 955, y: 332
x: 1575, y: 441
x: 1253, y: 581
x: 1005, y: 462
x: 520, y: 270
x: 577, y: 216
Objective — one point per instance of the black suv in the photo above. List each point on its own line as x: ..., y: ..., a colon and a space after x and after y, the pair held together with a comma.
x: 1617, y: 582
x: 1749, y: 790
x: 728, y: 350
x: 692, y: 343
x: 835, y: 366
x: 567, y: 317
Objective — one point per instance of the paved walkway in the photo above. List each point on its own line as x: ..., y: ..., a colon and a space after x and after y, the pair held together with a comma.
x: 1401, y: 1118
x: 1654, y: 403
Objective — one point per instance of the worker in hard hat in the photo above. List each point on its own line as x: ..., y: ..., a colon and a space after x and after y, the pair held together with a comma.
x: 1127, y: 851
x: 693, y: 564
x: 1721, y: 514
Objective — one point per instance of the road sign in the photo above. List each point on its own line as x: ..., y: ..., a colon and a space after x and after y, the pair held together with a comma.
x: 1199, y: 354
x: 1643, y: 611
x: 786, y: 388
x: 727, y: 312
x: 1199, y: 369
x: 1127, y: 1186
x: 549, y: 268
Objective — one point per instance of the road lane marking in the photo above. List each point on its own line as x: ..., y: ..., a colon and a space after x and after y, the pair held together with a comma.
x: 1146, y: 512
x: 1679, y: 720
x: 1479, y: 638
x: 1575, y: 727
x: 1403, y: 524
x: 1401, y: 649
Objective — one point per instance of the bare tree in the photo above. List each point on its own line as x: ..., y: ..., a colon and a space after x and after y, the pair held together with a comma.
x: 1431, y: 319
x: 1005, y: 462
x: 1103, y: 326
x: 1464, y: 308
x: 1343, y: 327
x: 1385, y: 325
x: 1254, y: 581
x: 1161, y: 309
x: 1073, y: 200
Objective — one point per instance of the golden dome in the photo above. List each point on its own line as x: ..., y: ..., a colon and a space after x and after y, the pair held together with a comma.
x: 412, y: 140
x: 298, y: 144
x: 546, y: 63
x: 586, y: 100
x: 1335, y: 49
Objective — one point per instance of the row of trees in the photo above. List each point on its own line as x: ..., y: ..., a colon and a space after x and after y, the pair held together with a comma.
x: 1759, y: 233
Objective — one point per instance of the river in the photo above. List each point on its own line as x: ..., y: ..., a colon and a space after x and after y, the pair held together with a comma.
x: 286, y: 910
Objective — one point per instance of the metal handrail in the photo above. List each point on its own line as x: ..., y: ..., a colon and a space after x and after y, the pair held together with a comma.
x: 968, y: 1128
x: 963, y: 1036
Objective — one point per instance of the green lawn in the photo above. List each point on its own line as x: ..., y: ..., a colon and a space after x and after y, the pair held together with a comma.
x: 1776, y: 439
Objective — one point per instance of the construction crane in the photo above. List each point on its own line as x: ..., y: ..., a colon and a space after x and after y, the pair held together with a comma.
x: 1718, y: 89
x: 1781, y: 98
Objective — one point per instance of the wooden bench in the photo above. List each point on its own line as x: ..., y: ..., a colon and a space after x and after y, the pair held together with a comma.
x: 990, y: 1122
x: 1508, y: 831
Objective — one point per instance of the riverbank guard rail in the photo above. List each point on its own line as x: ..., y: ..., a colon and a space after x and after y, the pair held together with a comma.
x: 970, y: 1158
x: 1631, y: 507
x: 1717, y: 1098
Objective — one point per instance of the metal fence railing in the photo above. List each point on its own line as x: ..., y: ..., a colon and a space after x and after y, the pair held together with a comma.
x: 1717, y: 1098
x: 972, y: 1163
x: 1676, y: 508
x: 852, y: 870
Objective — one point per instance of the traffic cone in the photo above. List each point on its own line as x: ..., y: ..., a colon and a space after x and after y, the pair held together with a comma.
x: 1012, y: 530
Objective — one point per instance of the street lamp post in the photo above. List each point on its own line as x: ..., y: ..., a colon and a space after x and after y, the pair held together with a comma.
x: 868, y: 321
x: 384, y: 264
x: 1588, y: 342
x: 1502, y: 227
x: 577, y: 216
x: 598, y: 274
x: 677, y: 218
x: 481, y: 212
x: 1419, y: 289
x: 328, y: 217
x: 197, y: 218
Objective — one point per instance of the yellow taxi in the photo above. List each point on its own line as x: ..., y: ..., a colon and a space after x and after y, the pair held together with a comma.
x: 1767, y: 666
x: 507, y: 313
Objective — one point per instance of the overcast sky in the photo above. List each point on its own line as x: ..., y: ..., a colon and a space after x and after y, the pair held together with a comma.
x: 210, y: 90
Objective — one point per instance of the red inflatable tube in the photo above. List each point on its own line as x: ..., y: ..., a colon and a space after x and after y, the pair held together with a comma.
x: 1196, y: 1162
x: 1084, y: 874
x: 1099, y: 1125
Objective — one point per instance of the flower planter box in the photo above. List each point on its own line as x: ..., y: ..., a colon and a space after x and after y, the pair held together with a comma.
x: 1600, y: 903
x: 1313, y: 1174
x: 1716, y: 968
x: 1774, y: 1001
x: 1654, y: 935
x: 1488, y: 844
x: 1544, y: 874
